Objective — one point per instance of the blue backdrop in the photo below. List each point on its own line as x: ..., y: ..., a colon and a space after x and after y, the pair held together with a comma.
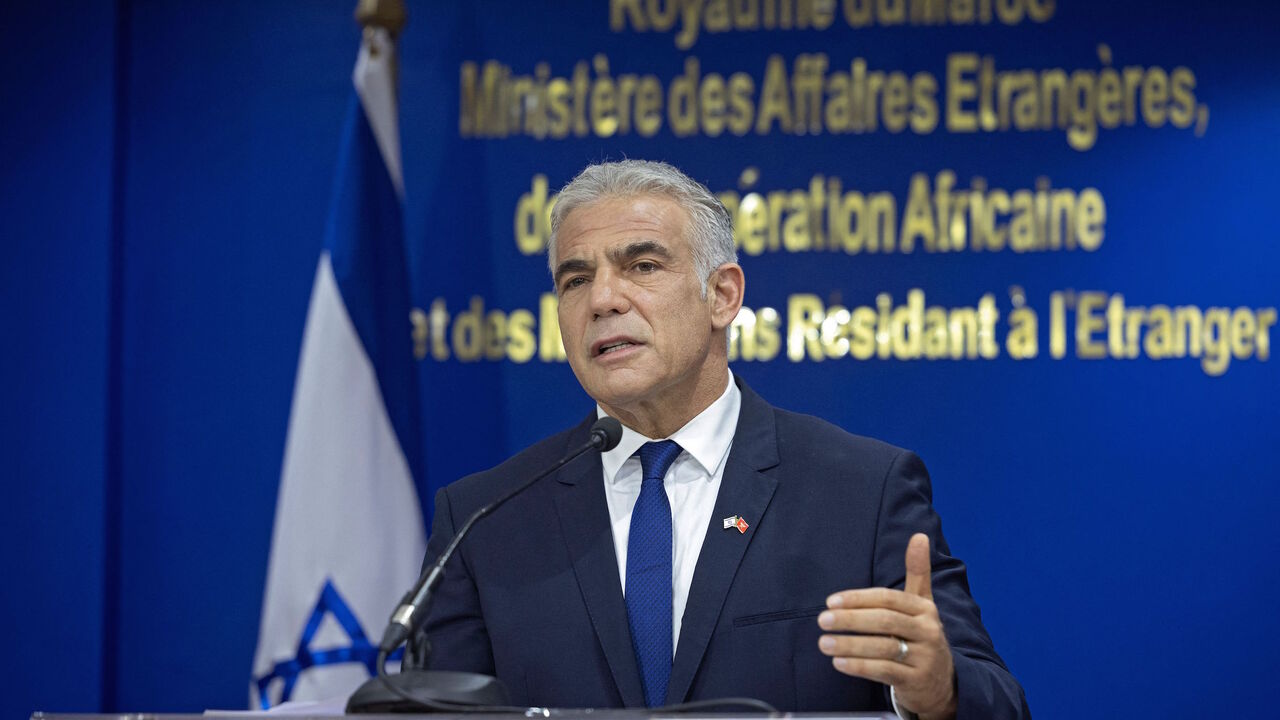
x: 164, y: 187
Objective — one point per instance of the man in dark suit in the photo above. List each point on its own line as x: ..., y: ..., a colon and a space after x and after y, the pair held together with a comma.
x: 725, y: 547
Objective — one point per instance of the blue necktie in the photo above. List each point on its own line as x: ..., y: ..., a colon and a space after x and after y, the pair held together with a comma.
x: 649, y: 572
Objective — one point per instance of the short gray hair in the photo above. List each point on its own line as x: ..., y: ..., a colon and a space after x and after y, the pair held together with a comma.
x: 710, y: 228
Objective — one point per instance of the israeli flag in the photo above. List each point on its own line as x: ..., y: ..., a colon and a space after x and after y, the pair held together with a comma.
x: 349, y: 533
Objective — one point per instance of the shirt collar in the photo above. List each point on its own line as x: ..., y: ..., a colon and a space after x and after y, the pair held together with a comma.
x: 706, y: 438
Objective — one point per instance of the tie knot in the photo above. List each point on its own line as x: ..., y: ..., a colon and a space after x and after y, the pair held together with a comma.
x: 656, y: 458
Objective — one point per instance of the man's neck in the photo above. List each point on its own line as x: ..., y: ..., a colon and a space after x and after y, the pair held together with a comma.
x: 661, y: 417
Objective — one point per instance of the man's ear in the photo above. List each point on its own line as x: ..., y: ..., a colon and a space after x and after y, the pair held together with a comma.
x: 725, y: 290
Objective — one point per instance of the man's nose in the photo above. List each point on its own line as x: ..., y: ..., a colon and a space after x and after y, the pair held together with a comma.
x: 608, y: 294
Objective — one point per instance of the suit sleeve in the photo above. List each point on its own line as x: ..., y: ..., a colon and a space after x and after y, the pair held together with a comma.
x: 985, y: 688
x: 454, y: 636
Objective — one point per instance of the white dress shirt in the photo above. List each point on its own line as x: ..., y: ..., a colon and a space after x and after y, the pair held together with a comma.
x: 692, y: 484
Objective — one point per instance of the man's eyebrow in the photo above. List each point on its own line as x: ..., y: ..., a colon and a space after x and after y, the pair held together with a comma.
x: 572, y: 265
x: 630, y: 251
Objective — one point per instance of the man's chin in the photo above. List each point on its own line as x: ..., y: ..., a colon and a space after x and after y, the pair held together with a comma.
x: 620, y: 395
x: 620, y: 400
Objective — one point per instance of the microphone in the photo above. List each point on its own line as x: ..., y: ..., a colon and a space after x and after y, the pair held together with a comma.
x: 606, y: 433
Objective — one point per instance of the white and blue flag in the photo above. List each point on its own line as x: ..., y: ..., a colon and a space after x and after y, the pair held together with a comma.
x: 349, y: 533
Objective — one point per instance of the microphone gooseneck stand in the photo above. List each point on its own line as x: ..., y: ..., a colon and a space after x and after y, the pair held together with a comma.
x: 438, y: 690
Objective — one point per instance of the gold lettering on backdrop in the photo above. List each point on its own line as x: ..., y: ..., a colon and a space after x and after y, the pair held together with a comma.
x: 983, y: 98
x: 1089, y: 322
x: 940, y: 216
x: 1058, y: 324
x: 475, y: 334
x: 419, y: 333
x: 1104, y: 326
x: 687, y: 20
x: 1107, y: 327
x: 815, y: 97
x: 520, y: 345
x: 468, y: 331
x: 494, y: 102
x: 533, y: 218
x: 550, y: 345
x: 429, y: 331
x: 1023, y: 341
x: 755, y: 336
x: 910, y: 331
x: 810, y: 94
x: 933, y: 212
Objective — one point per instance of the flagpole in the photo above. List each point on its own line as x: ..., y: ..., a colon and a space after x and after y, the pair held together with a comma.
x: 389, y: 15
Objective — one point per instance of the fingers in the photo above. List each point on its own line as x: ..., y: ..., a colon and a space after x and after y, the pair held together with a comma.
x: 919, y: 567
x: 871, y: 621
x: 881, y: 671
x: 870, y: 647
x: 878, y: 597
x: 926, y: 627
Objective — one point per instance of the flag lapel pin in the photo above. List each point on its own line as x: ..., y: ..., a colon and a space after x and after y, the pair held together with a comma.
x: 731, y: 521
x: 741, y: 524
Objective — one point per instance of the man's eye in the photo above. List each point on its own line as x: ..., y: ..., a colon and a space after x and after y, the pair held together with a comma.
x: 645, y: 266
x: 574, y: 282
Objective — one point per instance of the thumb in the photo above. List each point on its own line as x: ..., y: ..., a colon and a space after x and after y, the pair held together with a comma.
x: 919, y: 567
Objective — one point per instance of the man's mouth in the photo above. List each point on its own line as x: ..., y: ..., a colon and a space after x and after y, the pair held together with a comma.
x: 612, y: 345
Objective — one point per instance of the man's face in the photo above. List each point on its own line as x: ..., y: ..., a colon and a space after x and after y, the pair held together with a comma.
x: 636, y: 328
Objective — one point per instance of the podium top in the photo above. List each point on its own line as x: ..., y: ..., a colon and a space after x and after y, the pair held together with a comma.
x: 571, y: 714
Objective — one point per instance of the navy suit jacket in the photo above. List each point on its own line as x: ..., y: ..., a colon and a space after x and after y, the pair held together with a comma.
x: 535, y: 599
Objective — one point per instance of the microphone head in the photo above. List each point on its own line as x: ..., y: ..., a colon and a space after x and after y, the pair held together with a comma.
x: 606, y: 433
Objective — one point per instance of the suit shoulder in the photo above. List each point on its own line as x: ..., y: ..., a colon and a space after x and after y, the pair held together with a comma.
x: 823, y: 442
x: 813, y: 450
x: 474, y: 490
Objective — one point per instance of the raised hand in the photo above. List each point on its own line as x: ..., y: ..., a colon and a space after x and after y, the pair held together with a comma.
x: 895, y: 637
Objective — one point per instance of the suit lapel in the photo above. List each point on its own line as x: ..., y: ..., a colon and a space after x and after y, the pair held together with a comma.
x: 584, y: 521
x: 744, y: 491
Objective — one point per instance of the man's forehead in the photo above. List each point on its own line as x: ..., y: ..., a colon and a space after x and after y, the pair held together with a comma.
x: 620, y: 248
x: 612, y: 224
